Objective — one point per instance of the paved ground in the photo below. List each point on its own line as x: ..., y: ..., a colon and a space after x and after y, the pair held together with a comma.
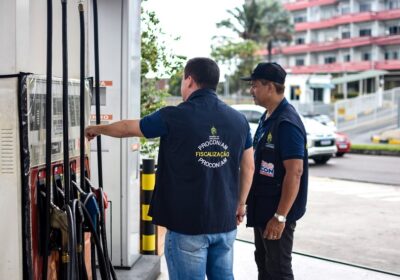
x: 305, y: 268
x: 350, y: 221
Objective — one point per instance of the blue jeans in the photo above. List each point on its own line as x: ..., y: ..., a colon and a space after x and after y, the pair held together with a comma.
x: 192, y: 257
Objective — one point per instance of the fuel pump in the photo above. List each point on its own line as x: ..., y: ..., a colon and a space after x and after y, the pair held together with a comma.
x: 44, y: 162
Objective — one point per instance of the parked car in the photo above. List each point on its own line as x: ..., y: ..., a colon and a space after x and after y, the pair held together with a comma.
x: 324, y: 119
x: 252, y: 113
x: 343, y: 144
x: 321, y: 142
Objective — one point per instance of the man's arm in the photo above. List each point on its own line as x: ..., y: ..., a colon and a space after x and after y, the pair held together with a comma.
x: 246, y: 178
x: 120, y: 129
x: 290, y: 189
x: 291, y: 185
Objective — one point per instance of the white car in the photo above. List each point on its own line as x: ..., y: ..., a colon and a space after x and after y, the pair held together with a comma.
x: 252, y: 113
x: 320, y: 138
x: 321, y: 143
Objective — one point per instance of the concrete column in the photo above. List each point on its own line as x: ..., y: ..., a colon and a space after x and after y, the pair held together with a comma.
x: 345, y: 90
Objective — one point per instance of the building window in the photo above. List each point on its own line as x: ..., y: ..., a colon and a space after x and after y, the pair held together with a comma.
x: 365, y: 32
x: 395, y: 55
x: 345, y: 10
x: 295, y: 92
x: 318, y: 94
x: 299, y: 61
x: 366, y: 56
x: 393, y: 4
x: 346, y: 35
x: 346, y: 58
x: 365, y: 7
x: 298, y: 19
x: 394, y: 30
x: 300, y: 41
x: 330, y: 59
x: 387, y: 55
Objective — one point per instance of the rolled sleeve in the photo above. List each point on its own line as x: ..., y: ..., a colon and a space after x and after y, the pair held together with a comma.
x: 153, y: 125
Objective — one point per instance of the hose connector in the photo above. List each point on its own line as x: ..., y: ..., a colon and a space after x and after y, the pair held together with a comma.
x: 65, y: 257
x: 80, y: 5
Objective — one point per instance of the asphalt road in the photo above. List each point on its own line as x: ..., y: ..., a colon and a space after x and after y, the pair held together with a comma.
x: 362, y: 168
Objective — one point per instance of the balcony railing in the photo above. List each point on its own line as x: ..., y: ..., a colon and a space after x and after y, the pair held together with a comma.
x: 336, y: 44
x: 348, y: 18
x: 304, y: 4
x: 346, y: 67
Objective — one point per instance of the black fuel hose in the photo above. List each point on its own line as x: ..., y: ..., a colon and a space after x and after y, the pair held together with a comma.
x: 82, y: 94
x: 93, y: 257
x: 100, y: 255
x: 65, y: 100
x: 71, y: 243
x: 78, y: 216
x: 97, y: 88
x: 104, y: 236
x: 49, y: 73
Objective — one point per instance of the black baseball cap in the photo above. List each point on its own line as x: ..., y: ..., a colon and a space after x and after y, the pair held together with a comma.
x: 269, y: 71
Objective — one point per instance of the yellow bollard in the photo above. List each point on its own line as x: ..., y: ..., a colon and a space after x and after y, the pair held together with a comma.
x: 148, y: 230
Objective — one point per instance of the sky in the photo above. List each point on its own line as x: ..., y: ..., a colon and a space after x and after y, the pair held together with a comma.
x: 193, y: 20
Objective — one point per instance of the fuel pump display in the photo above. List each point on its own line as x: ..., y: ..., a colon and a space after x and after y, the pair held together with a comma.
x: 36, y: 87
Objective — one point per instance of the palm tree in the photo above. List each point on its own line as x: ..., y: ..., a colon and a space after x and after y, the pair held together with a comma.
x: 276, y: 26
x: 264, y: 21
x: 246, y: 21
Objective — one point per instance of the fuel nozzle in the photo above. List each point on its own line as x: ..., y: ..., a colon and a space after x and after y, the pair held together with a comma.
x: 59, y: 220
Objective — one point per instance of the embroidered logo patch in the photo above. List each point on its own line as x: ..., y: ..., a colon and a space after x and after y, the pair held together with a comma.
x: 269, y: 137
x: 267, y: 169
x: 213, y: 153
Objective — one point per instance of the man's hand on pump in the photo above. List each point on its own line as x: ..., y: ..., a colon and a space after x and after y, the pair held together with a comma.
x: 91, y: 132
x: 119, y: 129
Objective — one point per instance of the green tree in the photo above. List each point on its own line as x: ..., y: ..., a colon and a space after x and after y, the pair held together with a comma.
x: 246, y: 21
x: 157, y: 62
x: 263, y: 21
x: 240, y: 58
x: 276, y: 26
x: 174, y: 83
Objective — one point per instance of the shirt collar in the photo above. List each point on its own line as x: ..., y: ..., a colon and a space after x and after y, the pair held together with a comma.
x: 202, y: 92
x: 276, y: 112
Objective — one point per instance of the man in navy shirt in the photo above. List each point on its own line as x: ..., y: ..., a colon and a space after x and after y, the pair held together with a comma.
x: 278, y: 195
x: 205, y: 168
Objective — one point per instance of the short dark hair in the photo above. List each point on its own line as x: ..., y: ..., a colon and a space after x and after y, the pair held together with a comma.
x: 204, y: 71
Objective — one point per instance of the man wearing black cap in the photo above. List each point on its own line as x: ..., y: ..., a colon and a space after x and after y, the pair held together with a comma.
x: 278, y: 193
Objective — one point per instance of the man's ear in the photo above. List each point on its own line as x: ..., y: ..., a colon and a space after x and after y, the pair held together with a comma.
x: 191, y: 82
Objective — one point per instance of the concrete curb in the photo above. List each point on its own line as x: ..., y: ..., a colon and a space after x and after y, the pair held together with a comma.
x: 379, y: 140
x: 375, y: 152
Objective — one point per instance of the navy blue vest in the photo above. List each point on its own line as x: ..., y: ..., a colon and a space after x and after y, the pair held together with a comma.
x: 197, y: 180
x: 269, y: 173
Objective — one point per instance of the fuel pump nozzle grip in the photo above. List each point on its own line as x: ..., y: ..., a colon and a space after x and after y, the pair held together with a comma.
x: 59, y: 220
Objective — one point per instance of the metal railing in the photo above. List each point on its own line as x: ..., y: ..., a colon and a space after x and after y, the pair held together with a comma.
x: 381, y: 108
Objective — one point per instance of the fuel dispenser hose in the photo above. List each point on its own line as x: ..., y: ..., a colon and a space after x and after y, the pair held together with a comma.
x: 104, y: 236
x: 49, y: 71
x: 100, y: 252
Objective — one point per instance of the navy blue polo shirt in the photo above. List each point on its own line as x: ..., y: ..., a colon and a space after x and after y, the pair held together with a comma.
x: 290, y: 136
x: 197, y: 181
